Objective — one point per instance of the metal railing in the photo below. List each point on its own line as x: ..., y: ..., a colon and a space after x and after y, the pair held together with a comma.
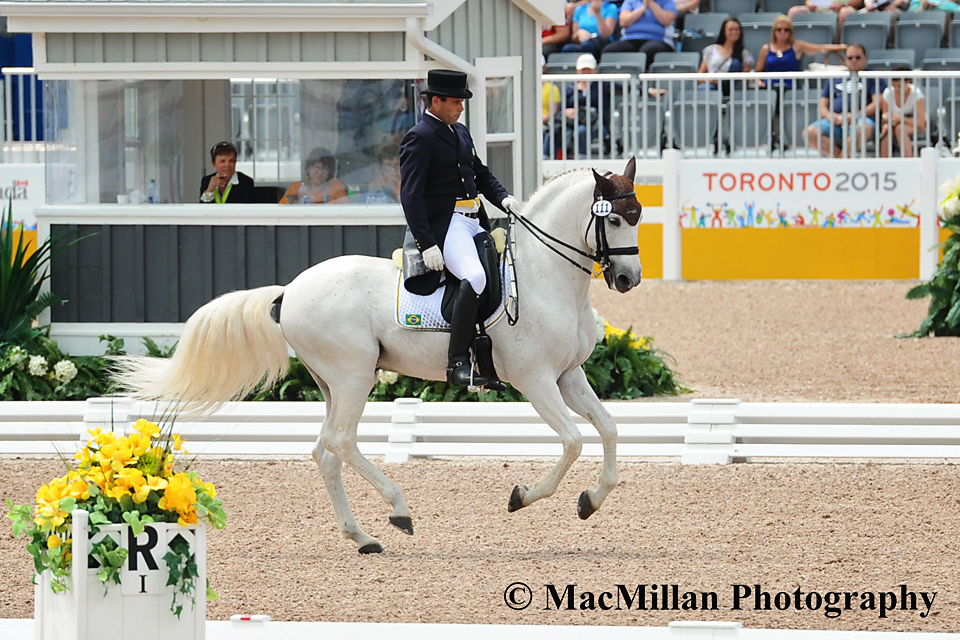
x: 613, y: 116
x: 22, y: 99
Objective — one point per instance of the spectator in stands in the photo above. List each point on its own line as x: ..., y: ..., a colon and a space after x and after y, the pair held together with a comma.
x: 386, y: 187
x: 842, y: 8
x: 319, y: 184
x: 648, y: 26
x: 226, y: 184
x: 728, y: 54
x: 843, y: 100
x: 943, y: 5
x: 783, y: 52
x: 894, y: 6
x: 902, y: 114
x: 553, y: 38
x: 593, y: 26
x: 583, y: 117
x: 551, y: 98
x: 685, y: 7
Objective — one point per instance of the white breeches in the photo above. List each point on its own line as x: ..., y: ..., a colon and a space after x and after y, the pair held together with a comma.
x: 460, y: 253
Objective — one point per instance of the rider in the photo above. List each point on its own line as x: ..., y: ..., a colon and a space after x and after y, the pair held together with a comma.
x: 440, y: 178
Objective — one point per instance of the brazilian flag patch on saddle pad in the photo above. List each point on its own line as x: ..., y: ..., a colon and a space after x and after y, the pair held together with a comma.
x: 413, y: 320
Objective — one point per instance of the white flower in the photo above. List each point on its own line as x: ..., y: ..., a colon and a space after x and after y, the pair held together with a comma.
x: 387, y: 377
x: 950, y: 187
x: 37, y: 366
x: 17, y: 355
x: 951, y: 207
x: 65, y: 371
x: 601, y: 325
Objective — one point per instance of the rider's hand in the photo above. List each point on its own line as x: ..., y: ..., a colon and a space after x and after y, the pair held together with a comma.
x: 433, y: 258
x: 511, y: 205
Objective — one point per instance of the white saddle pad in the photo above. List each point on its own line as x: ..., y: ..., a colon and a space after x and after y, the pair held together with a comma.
x: 423, y: 312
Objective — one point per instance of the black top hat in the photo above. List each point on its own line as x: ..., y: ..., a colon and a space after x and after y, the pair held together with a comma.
x: 447, y: 83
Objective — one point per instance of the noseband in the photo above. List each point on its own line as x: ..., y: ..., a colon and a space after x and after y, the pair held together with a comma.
x: 601, y: 208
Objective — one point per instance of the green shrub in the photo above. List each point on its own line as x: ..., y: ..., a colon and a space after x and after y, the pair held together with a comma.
x: 943, y: 314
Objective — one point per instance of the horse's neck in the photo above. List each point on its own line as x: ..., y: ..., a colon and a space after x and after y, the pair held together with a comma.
x: 564, y: 218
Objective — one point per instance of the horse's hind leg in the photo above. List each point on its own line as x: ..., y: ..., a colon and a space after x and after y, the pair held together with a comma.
x: 546, y: 399
x: 580, y: 397
x: 339, y: 437
x: 330, y: 470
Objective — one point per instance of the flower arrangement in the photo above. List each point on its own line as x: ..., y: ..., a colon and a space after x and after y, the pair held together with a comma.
x: 943, y: 314
x: 120, y: 480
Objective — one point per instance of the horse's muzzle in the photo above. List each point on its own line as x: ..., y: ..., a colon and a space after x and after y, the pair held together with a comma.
x: 621, y: 279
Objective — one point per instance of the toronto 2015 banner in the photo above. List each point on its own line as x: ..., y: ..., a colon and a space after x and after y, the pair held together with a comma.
x: 861, y: 193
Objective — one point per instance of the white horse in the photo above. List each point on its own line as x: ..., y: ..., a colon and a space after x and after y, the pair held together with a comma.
x: 339, y: 317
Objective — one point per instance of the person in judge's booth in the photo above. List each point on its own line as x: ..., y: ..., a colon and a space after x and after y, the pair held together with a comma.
x: 441, y: 178
x: 226, y: 184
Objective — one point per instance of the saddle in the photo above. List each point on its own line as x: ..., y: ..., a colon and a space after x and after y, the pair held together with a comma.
x: 487, y: 250
x: 490, y: 300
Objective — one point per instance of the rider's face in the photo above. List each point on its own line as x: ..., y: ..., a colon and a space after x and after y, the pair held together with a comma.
x: 447, y: 109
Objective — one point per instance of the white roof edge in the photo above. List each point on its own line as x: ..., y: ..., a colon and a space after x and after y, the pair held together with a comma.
x: 58, y: 10
x: 545, y: 12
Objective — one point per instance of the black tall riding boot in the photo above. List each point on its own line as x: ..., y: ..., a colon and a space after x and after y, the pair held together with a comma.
x: 462, y: 331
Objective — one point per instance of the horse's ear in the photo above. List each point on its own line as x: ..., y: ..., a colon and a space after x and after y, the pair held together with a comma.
x: 631, y: 171
x: 605, y: 185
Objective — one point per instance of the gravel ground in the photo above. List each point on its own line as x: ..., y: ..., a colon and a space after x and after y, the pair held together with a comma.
x: 818, y: 526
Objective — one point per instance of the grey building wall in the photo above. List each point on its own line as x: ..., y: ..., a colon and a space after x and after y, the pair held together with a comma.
x: 163, y: 273
x: 84, y: 48
x: 498, y: 28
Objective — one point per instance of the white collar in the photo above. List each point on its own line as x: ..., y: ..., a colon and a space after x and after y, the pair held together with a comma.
x: 234, y: 179
x: 434, y: 116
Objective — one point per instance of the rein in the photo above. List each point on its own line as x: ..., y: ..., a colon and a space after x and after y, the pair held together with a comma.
x: 604, y: 250
x: 601, y: 208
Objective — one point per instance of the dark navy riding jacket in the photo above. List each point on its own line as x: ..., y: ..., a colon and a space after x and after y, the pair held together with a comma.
x: 437, y: 168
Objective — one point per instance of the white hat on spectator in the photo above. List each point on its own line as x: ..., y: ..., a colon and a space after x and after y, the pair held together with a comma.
x: 586, y: 61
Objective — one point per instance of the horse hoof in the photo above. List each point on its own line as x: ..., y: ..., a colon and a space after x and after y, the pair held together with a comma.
x: 516, y: 502
x: 404, y: 523
x: 371, y: 547
x: 585, y: 508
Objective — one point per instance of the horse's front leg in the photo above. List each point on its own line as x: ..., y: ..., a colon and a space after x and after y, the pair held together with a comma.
x: 580, y: 396
x: 545, y: 397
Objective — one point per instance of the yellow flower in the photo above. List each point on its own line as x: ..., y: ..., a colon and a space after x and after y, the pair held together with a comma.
x: 177, y: 442
x: 53, y: 541
x: 156, y: 483
x: 180, y: 496
x: 206, y: 487
x: 147, y: 429
x: 116, y: 492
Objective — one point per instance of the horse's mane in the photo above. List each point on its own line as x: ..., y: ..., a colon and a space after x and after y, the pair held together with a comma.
x: 548, y: 188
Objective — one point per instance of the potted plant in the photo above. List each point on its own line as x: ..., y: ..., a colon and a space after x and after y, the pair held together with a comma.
x: 119, y: 542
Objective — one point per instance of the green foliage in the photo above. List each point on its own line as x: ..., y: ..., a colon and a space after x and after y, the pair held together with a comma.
x: 39, y: 370
x: 21, y: 277
x: 183, y: 572
x: 620, y: 369
x: 943, y: 314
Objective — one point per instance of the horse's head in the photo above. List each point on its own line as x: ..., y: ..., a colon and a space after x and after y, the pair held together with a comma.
x: 618, y: 229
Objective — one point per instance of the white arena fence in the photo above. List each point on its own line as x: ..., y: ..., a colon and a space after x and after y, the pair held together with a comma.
x: 640, y: 114
x: 270, y: 630
x: 701, y: 431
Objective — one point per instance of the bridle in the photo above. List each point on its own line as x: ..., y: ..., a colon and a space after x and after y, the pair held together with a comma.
x: 601, y: 208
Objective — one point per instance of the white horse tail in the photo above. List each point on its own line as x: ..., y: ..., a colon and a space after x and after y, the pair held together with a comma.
x: 229, y: 347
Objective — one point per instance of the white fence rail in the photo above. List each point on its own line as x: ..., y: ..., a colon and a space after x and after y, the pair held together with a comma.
x: 696, y: 432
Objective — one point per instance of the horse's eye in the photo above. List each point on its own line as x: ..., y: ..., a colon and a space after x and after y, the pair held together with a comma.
x: 614, y: 220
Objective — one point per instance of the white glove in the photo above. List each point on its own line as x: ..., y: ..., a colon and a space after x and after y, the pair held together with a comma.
x: 511, y: 205
x: 433, y: 258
